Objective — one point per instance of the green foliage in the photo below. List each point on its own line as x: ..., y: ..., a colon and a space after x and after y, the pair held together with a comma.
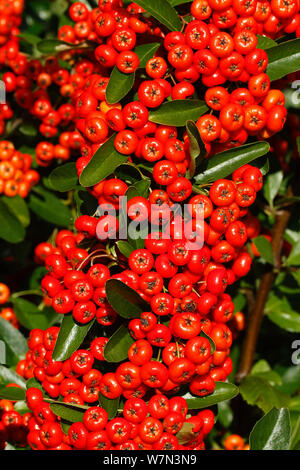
x: 283, y: 59
x: 12, y: 393
x: 163, y: 12
x: 116, y: 350
x: 49, y: 207
x: 259, y: 388
x: 272, y: 432
x: 124, y: 300
x: 64, y: 177
x: 223, y: 391
x: 119, y: 85
x: 177, y: 112
x: 225, y: 163
x: 264, y: 247
x: 110, y: 406
x: 13, y: 339
x: 69, y: 412
x: 197, y: 148
x: 103, y: 163
x: 70, y: 337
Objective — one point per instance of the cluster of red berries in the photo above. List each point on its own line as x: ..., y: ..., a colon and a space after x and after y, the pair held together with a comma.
x: 151, y: 425
x: 269, y: 18
x: 219, y: 47
x: 224, y: 234
x: 95, y: 25
x: 182, y: 342
x: 13, y: 426
x: 203, y: 50
x: 30, y: 92
x: 172, y: 347
x: 16, y: 174
x: 142, y: 427
x: 11, y: 18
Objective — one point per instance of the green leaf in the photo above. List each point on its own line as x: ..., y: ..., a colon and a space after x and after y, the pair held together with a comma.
x: 239, y: 301
x: 86, y: 203
x: 262, y: 369
x: 19, y: 208
x: 225, y: 163
x: 294, y: 256
x: 110, y: 406
x: 30, y: 316
x: 119, y: 85
x: 212, y: 344
x: 139, y: 188
x: 288, y: 200
x: 102, y: 164
x: 272, y: 185
x: 29, y: 38
x: 264, y: 248
x: 10, y: 447
x: 186, y: 433
x: 283, y: 59
x: 128, y: 173
x: 33, y: 383
x: 225, y: 414
x: 28, y: 128
x: 281, y: 313
x: 64, y: 177
x: 197, y: 148
x: 142, y: 187
x: 49, y: 207
x: 41, y: 8
x: 290, y: 378
x: 13, y: 338
x: 36, y: 277
x: 11, y: 229
x: 65, y: 425
x: 264, y: 42
x: 10, y: 376
x: 70, y: 337
x: 264, y: 166
x: 294, y: 404
x: 175, y: 3
x: 272, y: 431
x: 58, y: 7
x: 177, y: 112
x: 116, y: 350
x: 258, y: 391
x: 287, y: 320
x: 125, y: 248
x: 12, y: 393
x: 145, y: 52
x: 68, y: 412
x: 163, y: 12
x: 124, y: 300
x: 52, y: 46
x: 223, y: 391
x: 21, y: 407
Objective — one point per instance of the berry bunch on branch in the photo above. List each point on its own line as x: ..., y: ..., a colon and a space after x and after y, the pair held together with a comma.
x: 165, y: 116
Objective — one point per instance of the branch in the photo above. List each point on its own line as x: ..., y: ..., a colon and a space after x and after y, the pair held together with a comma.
x: 256, y: 314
